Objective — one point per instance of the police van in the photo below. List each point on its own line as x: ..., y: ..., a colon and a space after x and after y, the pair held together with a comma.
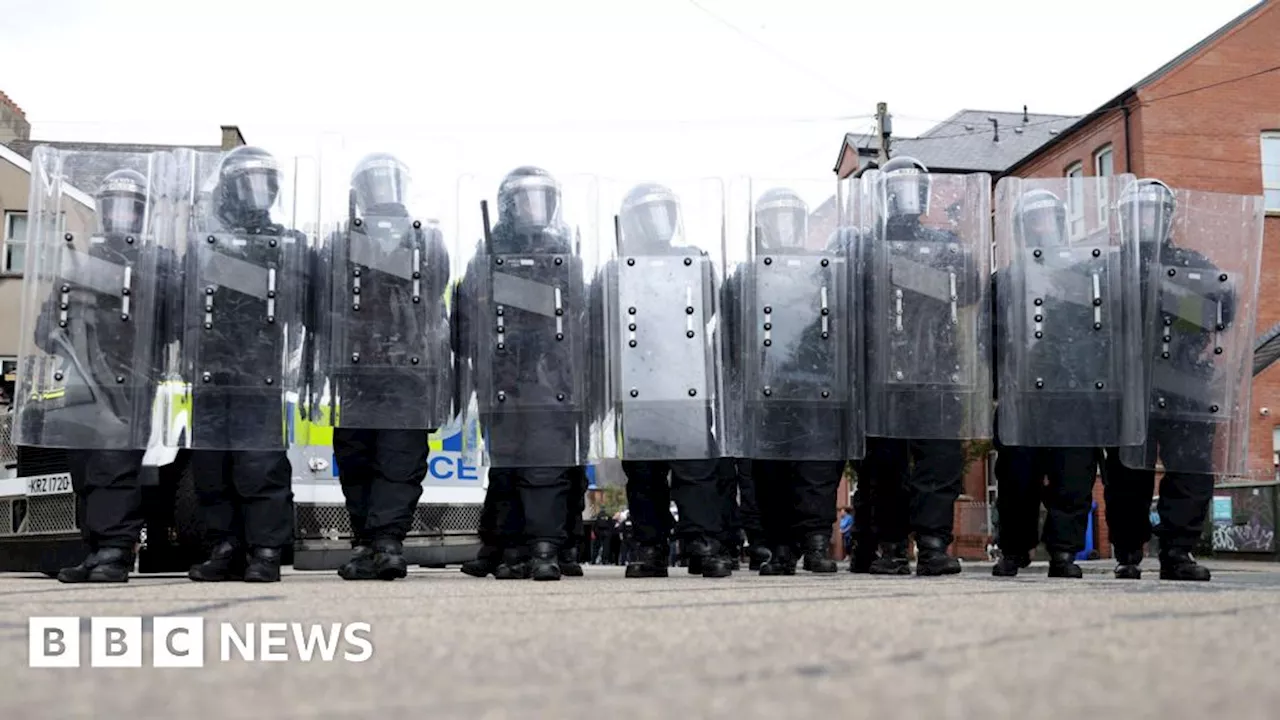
x: 38, y: 514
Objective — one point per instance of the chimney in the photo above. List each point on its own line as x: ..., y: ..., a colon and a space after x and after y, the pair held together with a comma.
x: 1025, y: 117
x: 995, y: 124
x: 232, y: 137
x: 13, y: 121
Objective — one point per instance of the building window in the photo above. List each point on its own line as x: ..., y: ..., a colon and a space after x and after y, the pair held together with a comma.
x: 1104, y: 167
x: 1075, y: 198
x: 15, y: 242
x: 1271, y: 170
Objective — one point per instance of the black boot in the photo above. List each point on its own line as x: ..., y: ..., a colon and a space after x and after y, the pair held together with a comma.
x: 732, y: 555
x: 863, y: 556
x: 1063, y: 565
x: 1177, y: 564
x: 1127, y: 562
x: 360, y: 566
x: 932, y: 559
x: 757, y: 555
x: 1009, y: 564
x: 892, y: 560
x: 705, y: 559
x: 388, y: 559
x: 106, y: 565
x: 817, y: 553
x: 485, y: 563
x: 649, y: 561
x: 226, y: 562
x: 544, y: 565
x: 514, y: 566
x: 264, y: 565
x: 782, y: 561
x: 568, y: 561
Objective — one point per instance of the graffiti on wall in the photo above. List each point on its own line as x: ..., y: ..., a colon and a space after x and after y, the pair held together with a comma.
x: 1246, y: 522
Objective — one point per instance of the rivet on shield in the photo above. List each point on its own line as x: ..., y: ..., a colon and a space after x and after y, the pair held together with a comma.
x: 632, y: 343
x: 635, y: 392
x: 631, y: 311
x: 688, y: 261
x: 825, y: 262
x: 688, y: 310
x: 65, y: 288
x: 768, y: 261
x: 768, y: 392
x: 632, y: 327
x: 1097, y: 326
x: 357, y: 222
x: 1222, y: 277
x: 417, y: 275
x: 1165, y: 354
x: 768, y: 342
x: 1217, y: 351
x: 57, y: 376
x: 271, y: 319
x: 1099, y: 385
x: 1220, y: 327
x: 560, y: 397
x: 355, y: 272
x: 124, y: 317
x: 355, y: 357
x: 417, y: 224
x: 128, y: 240
x: 768, y: 310
x: 826, y: 393
x: 206, y: 377
x: 1039, y: 335
x: 1172, y: 272
x: 1039, y: 302
x: 1161, y: 402
x: 1213, y: 408
x: 1037, y: 253
x: 559, y: 336
x: 768, y: 326
x: 1097, y: 302
x: 898, y: 375
x: 559, y: 261
x: 208, y: 326
x: 211, y: 239
x: 825, y: 334
x: 1167, y: 337
x: 273, y: 242
x: 502, y: 396
x: 1039, y: 383
x: 502, y: 346
x: 955, y: 378
x: 499, y: 261
x: 1097, y: 252
x: 1039, y: 318
x: 417, y: 299
x: 631, y: 262
x: 689, y: 333
x: 501, y: 311
x: 119, y: 379
x: 69, y: 237
x: 62, y: 323
x: 693, y: 393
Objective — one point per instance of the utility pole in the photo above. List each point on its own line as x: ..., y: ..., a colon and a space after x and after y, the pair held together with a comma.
x: 884, y: 128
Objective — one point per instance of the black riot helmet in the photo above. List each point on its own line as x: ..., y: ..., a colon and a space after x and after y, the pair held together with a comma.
x: 1041, y: 219
x: 248, y: 185
x: 650, y: 218
x: 380, y: 180
x: 782, y: 220
x: 122, y: 203
x: 1148, y: 206
x: 905, y: 188
x: 529, y: 198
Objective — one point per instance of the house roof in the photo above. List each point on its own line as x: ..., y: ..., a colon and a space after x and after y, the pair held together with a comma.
x: 24, y: 164
x: 967, y: 141
x: 1129, y: 92
x: 26, y: 147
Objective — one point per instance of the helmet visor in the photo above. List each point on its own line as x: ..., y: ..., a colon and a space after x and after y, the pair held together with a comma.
x: 121, y: 214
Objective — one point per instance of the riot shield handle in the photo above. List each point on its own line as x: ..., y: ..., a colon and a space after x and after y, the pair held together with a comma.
x: 351, y: 206
x: 617, y: 233
x: 488, y: 237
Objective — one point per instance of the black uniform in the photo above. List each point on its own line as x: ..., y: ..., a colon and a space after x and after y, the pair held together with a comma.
x: 741, y: 513
x: 671, y: 442
x: 796, y: 497
x: 235, y: 349
x: 386, y: 334
x: 1068, y: 351
x: 101, y: 332
x: 1185, y: 493
x: 917, y: 481
x: 531, y: 393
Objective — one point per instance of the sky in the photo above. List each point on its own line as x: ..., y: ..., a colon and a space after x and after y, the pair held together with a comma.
x: 656, y: 90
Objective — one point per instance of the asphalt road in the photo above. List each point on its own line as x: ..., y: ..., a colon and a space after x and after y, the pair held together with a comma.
x: 449, y: 646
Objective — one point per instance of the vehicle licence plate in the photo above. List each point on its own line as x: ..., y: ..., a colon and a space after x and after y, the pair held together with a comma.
x: 49, y: 485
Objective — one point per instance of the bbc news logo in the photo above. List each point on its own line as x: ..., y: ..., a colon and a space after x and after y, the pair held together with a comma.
x: 179, y: 642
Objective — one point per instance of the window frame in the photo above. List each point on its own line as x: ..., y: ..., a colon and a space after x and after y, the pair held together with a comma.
x: 6, y: 238
x: 1274, y: 186
x: 1103, y: 189
x: 1075, y: 205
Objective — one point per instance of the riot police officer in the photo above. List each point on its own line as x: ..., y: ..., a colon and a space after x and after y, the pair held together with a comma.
x: 106, y: 321
x: 651, y: 307
x: 244, y: 300
x: 390, y: 366
x: 1183, y: 442
x: 522, y: 333
x: 914, y: 468
x: 791, y: 345
x: 1060, y: 344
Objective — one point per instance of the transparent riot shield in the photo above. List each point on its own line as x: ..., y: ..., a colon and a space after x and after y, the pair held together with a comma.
x: 97, y: 271
x: 1068, y: 306
x: 1201, y: 292
x: 522, y: 321
x: 381, y: 292
x: 793, y: 323
x: 927, y: 270
x: 244, y: 216
x: 653, y: 309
